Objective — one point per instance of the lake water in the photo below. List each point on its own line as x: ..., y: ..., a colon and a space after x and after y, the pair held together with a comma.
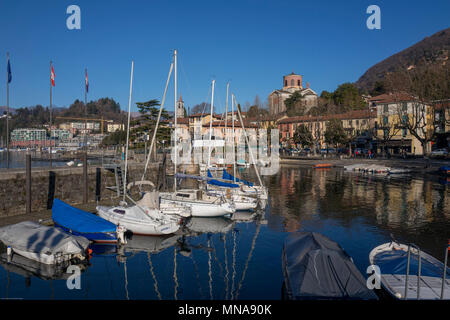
x: 218, y: 258
x: 17, y: 159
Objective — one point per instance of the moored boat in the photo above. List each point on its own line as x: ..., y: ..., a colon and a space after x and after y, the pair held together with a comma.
x: 43, y: 244
x: 409, y: 273
x: 86, y: 224
x: 317, y: 268
x: 201, y: 204
x: 322, y: 166
x: 140, y: 220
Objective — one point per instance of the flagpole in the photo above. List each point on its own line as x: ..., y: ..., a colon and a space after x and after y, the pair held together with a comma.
x: 7, y: 112
x: 51, y: 156
x: 85, y: 111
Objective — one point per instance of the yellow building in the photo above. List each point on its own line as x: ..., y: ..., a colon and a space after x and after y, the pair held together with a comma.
x: 402, y: 122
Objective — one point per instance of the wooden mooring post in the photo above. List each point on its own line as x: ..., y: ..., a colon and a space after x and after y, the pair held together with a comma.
x: 28, y: 184
x: 85, y: 178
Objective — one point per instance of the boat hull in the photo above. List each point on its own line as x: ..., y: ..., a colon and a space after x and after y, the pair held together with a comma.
x: 202, y: 209
x: 110, y: 237
x: 137, y: 226
x: 392, y: 257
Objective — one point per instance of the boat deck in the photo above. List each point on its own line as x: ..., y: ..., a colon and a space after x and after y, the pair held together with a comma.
x: 430, y: 287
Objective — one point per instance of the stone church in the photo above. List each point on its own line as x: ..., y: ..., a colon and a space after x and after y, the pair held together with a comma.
x: 291, y: 84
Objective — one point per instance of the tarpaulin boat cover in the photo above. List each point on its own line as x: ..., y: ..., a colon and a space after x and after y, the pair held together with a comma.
x: 227, y: 176
x: 396, y: 262
x: 221, y: 183
x: 315, y: 267
x: 78, y: 220
x: 32, y: 237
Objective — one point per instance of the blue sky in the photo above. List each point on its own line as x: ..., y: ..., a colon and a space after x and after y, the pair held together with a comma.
x: 251, y: 43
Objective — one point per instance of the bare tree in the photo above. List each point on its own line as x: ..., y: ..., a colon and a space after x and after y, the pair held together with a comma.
x: 413, y: 111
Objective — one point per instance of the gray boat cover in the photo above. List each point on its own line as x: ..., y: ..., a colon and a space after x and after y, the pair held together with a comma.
x: 32, y: 237
x: 315, y: 267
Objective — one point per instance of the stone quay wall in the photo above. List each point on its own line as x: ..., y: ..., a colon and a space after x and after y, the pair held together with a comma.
x: 65, y: 183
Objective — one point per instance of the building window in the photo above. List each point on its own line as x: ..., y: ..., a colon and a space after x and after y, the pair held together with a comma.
x: 385, y: 120
x: 404, y: 106
x: 298, y: 83
x: 292, y: 82
x: 285, y: 83
x: 386, y: 108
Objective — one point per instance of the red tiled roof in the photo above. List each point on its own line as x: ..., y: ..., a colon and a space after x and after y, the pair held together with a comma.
x: 392, y: 97
x: 355, y: 114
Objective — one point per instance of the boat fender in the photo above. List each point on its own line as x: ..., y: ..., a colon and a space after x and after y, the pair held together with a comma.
x: 89, y: 253
x: 9, y: 253
x: 121, y: 234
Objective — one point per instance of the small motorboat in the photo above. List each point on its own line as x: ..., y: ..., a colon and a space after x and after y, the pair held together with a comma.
x: 317, y: 268
x: 86, y: 224
x: 409, y: 273
x: 353, y: 167
x: 322, y: 166
x: 43, y: 244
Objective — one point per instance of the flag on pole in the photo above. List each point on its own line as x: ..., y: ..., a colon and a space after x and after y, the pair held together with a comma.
x: 87, y: 82
x: 52, y: 76
x: 9, y: 71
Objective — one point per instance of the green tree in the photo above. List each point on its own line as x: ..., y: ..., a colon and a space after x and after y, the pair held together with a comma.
x: 303, y: 136
x: 147, y: 122
x: 116, y: 138
x: 347, y: 97
x: 295, y: 105
x: 335, y: 133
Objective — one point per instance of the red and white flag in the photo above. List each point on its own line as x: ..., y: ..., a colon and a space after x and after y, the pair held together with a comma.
x: 52, y: 76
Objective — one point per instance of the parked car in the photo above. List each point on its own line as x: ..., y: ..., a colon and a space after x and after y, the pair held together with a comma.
x: 439, y: 152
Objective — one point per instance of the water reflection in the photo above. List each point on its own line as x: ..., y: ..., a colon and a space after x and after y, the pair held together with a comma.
x: 240, y: 257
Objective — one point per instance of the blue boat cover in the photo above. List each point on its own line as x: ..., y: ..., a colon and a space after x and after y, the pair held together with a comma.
x: 79, y: 220
x: 227, y: 176
x: 444, y: 168
x: 221, y: 183
x: 396, y: 261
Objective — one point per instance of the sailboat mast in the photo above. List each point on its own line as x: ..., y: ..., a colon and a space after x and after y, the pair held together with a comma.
x: 210, y: 122
x: 249, y: 148
x: 226, y: 120
x: 175, y: 131
x: 226, y: 109
x: 128, y: 133
x: 232, y: 136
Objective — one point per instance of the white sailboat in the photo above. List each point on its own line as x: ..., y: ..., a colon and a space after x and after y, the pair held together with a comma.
x: 200, y: 203
x: 138, y: 218
x: 240, y: 195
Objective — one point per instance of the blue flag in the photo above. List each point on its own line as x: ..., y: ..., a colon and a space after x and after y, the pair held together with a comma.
x: 9, y: 72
